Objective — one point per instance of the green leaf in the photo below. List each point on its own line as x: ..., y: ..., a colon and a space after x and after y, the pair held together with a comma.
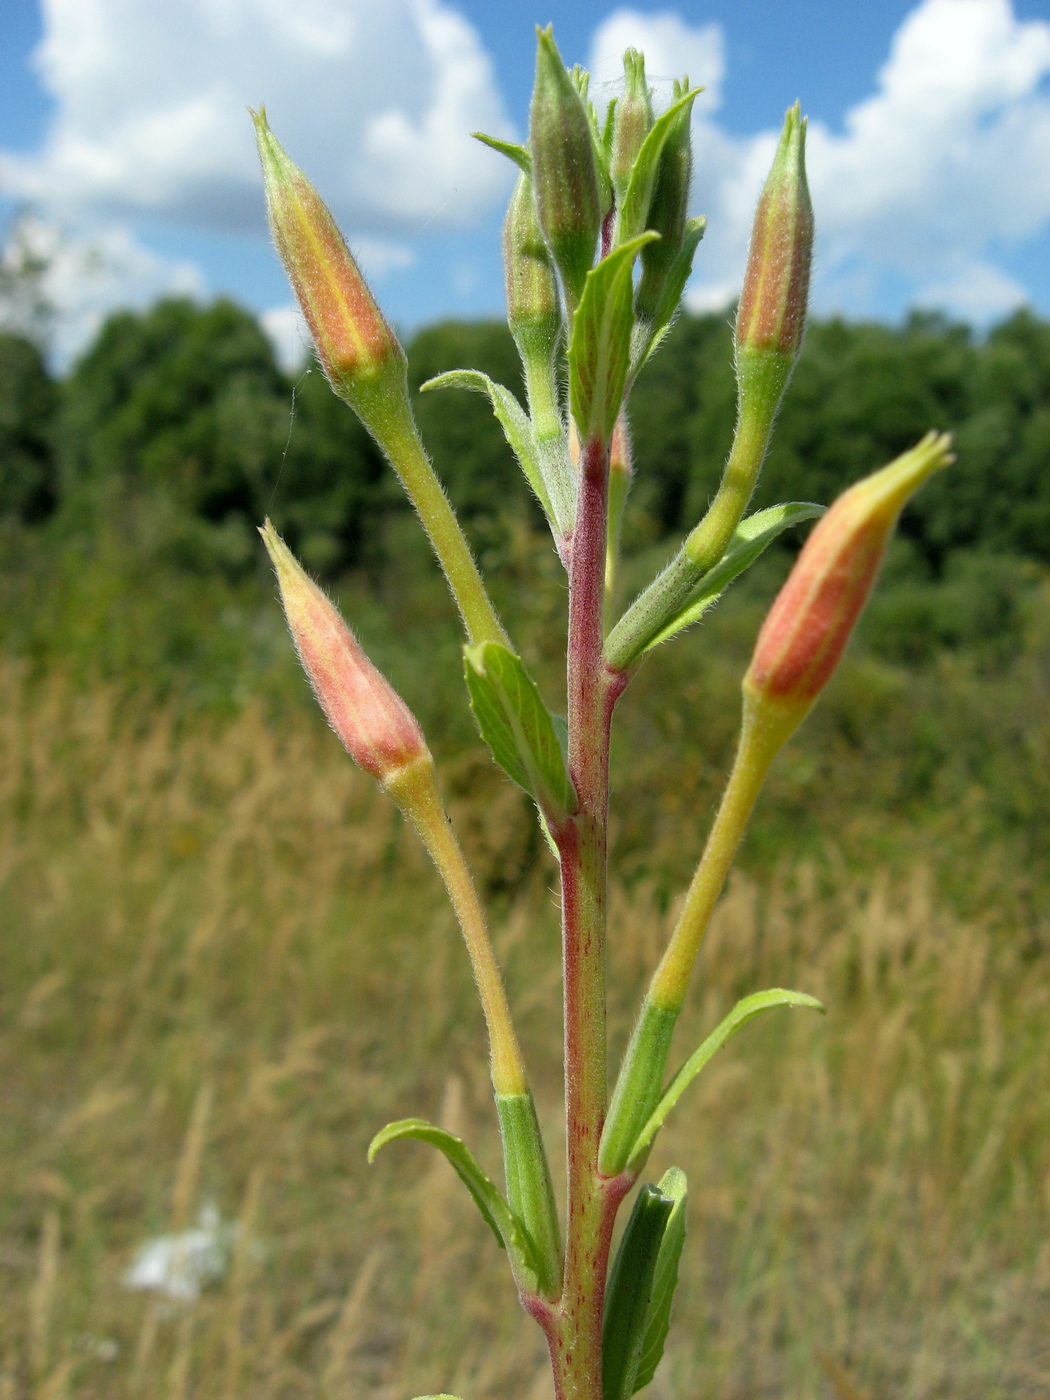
x: 498, y: 1215
x: 648, y: 334
x: 665, y: 1279
x: 600, y: 351
x: 530, y: 1192
x: 647, y: 162
x: 518, y: 154
x: 743, y: 1012
x: 630, y: 1291
x: 515, y: 424
x: 750, y: 539
x: 517, y: 726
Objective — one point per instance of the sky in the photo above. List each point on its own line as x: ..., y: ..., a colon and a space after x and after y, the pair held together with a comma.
x: 126, y: 144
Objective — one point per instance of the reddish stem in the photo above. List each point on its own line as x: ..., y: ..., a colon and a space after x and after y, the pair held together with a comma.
x: 575, y: 1337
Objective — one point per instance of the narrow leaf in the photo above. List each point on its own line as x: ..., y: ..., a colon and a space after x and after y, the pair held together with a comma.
x: 751, y: 538
x: 665, y: 1279
x: 647, y: 162
x: 600, y: 350
x: 512, y: 419
x: 517, y: 726
x: 649, y: 333
x: 518, y: 154
x: 630, y: 1291
x: 498, y: 1215
x: 743, y: 1012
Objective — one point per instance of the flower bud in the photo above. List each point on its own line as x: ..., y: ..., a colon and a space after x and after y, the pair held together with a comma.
x: 772, y: 313
x: 632, y: 119
x: 668, y: 212
x: 815, y: 612
x: 360, y: 354
x: 374, y: 724
x: 564, y: 170
x: 533, y: 310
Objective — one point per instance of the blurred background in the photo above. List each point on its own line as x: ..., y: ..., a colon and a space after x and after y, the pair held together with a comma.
x: 225, y: 963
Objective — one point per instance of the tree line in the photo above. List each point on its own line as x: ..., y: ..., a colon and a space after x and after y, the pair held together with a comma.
x: 182, y: 413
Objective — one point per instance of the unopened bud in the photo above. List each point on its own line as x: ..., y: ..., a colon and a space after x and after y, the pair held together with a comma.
x: 815, y: 612
x: 772, y: 313
x: 533, y: 310
x: 668, y: 211
x: 374, y: 724
x: 564, y: 169
x: 632, y: 120
x: 360, y: 354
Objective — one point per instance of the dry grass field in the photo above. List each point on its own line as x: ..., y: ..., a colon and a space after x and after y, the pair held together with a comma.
x: 225, y: 964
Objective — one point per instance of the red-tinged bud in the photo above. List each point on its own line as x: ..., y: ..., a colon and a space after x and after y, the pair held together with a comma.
x: 360, y: 354
x: 374, y: 724
x: 771, y: 318
x: 815, y: 612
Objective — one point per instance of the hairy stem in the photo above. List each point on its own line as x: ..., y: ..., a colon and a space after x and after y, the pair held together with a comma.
x: 576, y: 1350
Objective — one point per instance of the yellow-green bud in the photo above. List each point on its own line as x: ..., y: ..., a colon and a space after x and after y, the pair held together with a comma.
x: 564, y: 170
x: 632, y: 120
x: 668, y: 212
x: 533, y: 309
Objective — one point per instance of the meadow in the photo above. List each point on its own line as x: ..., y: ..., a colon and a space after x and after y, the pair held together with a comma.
x: 227, y: 963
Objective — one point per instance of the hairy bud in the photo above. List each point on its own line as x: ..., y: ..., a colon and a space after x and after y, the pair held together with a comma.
x: 374, y: 724
x: 564, y: 169
x: 815, y: 612
x: 360, y: 354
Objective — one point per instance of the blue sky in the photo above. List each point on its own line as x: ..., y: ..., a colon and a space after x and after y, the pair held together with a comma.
x: 122, y: 127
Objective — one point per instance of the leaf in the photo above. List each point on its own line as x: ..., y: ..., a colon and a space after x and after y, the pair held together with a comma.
x: 630, y: 1292
x: 665, y: 1278
x: 518, y: 154
x: 646, y: 165
x: 498, y: 1215
x: 649, y: 334
x: 750, y: 539
x: 517, y: 726
x: 515, y: 424
x: 741, y: 1013
x: 600, y: 351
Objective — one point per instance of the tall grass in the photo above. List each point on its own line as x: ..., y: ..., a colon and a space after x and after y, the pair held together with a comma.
x: 225, y: 964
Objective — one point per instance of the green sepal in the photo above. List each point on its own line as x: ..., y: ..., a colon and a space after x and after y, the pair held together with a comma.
x: 638, y: 1086
x: 530, y: 1191
x: 665, y: 1278
x: 518, y: 728
x: 502, y: 1221
x: 516, y: 429
x: 600, y: 350
x: 518, y: 154
x: 630, y: 1291
x: 741, y: 1013
x: 750, y: 539
x: 643, y: 174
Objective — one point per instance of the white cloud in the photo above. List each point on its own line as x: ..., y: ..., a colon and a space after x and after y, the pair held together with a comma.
x: 89, y: 273
x: 672, y: 49
x: 375, y: 101
x: 946, y: 161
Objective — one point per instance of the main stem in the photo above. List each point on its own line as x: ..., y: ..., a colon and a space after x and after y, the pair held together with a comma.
x: 575, y: 1334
